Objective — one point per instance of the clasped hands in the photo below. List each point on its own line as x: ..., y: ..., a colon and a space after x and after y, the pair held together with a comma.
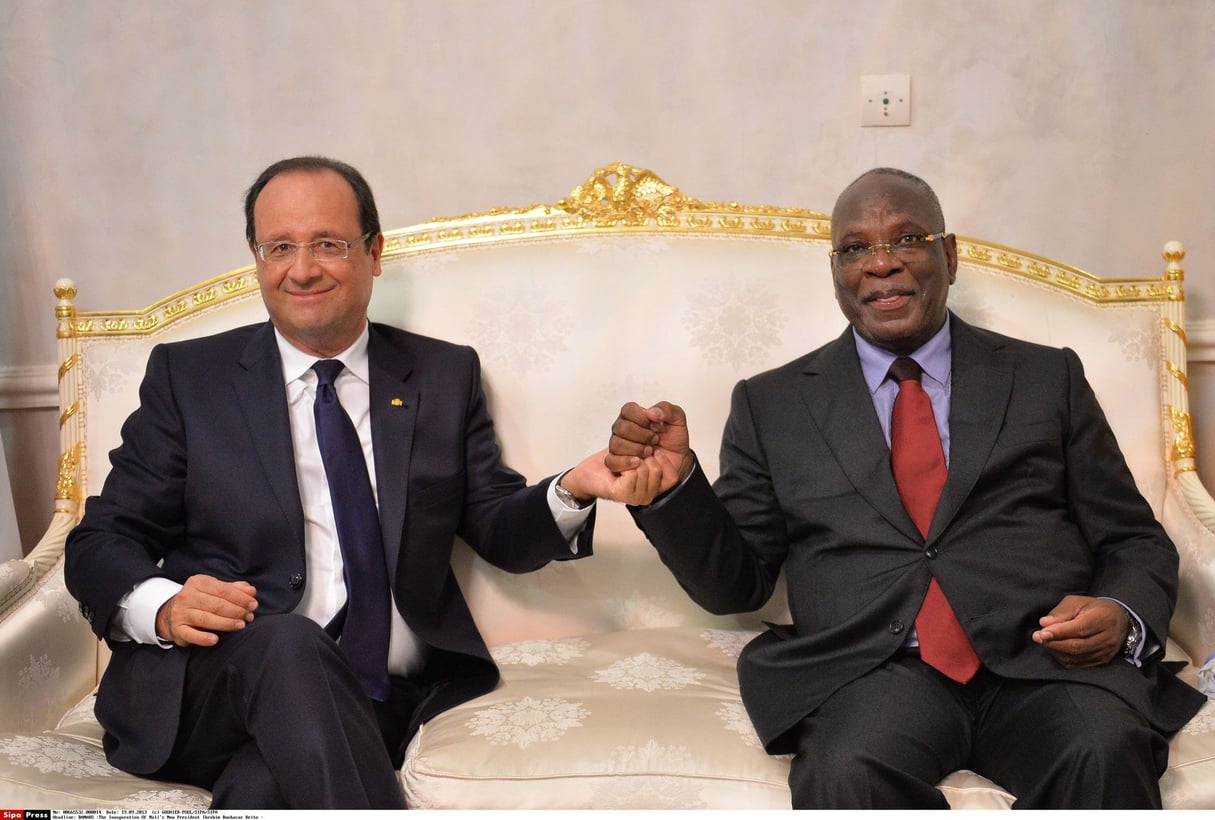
x: 654, y: 437
x: 647, y: 455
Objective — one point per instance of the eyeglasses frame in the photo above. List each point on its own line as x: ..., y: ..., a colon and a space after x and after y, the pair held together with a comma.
x: 260, y: 248
x: 872, y: 249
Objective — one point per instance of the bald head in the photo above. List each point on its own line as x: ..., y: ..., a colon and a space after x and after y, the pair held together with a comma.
x: 921, y: 189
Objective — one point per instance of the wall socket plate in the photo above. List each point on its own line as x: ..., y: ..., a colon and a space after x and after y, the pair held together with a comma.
x: 885, y: 99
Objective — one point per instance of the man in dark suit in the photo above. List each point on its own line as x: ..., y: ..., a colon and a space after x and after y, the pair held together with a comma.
x: 1042, y: 668
x: 215, y: 560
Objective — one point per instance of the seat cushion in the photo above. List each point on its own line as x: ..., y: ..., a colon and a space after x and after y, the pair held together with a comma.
x: 638, y: 718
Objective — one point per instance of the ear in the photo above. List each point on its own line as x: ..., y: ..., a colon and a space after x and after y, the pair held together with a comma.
x: 377, y: 249
x: 951, y: 256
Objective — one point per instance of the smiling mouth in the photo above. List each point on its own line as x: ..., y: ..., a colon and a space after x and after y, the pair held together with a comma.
x: 888, y: 298
x: 307, y: 294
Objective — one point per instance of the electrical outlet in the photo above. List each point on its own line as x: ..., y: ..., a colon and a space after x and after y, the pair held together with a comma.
x: 885, y: 99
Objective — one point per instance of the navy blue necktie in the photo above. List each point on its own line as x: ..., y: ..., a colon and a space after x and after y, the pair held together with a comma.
x: 368, y: 602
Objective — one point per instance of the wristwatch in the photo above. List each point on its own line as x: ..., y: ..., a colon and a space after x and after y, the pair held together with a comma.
x: 567, y: 498
x: 1134, y: 636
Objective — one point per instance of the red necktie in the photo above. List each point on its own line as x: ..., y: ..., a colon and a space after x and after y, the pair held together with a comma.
x: 918, y: 463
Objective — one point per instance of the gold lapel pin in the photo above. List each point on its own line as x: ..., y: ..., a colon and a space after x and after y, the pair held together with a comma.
x: 397, y: 403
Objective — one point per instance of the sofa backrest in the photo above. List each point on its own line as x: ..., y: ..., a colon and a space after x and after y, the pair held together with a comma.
x: 630, y: 290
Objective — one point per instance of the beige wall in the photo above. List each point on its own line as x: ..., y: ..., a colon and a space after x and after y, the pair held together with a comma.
x: 129, y: 130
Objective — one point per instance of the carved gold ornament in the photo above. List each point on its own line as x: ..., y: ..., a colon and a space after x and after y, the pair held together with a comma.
x: 65, y: 484
x: 1183, y: 439
x: 622, y: 194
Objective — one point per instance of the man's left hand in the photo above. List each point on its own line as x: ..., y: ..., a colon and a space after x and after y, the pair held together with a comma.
x: 1082, y: 632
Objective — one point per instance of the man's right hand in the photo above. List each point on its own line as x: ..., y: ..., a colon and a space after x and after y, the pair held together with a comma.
x: 203, y: 607
x: 660, y: 431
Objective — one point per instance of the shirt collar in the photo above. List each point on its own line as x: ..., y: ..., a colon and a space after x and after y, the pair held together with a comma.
x: 934, y: 357
x: 297, y: 365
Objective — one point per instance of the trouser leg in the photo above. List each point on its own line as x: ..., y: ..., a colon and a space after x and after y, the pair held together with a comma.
x: 283, y: 685
x: 1058, y: 745
x: 246, y: 781
x: 882, y: 741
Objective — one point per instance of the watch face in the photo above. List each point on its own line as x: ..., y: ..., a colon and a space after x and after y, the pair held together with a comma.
x: 567, y: 498
x: 1132, y: 639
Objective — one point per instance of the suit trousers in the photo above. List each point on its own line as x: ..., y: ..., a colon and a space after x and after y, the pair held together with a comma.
x: 273, y: 717
x: 886, y: 739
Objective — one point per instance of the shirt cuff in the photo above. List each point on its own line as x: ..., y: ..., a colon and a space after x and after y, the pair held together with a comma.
x: 136, y: 616
x: 569, y: 520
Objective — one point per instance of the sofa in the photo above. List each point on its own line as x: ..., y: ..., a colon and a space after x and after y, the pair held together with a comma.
x: 617, y: 691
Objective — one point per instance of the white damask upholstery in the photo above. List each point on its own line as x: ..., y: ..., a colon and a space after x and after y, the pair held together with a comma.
x: 617, y: 691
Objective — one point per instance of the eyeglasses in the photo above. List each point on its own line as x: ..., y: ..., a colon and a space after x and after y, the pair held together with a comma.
x: 910, y: 247
x: 322, y: 250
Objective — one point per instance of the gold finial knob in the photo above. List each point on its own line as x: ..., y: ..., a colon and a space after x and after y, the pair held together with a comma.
x: 1173, y: 253
x: 65, y: 311
x: 65, y: 289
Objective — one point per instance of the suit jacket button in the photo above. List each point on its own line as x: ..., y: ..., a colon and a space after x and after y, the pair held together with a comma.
x: 931, y: 552
x: 896, y: 627
x: 296, y: 580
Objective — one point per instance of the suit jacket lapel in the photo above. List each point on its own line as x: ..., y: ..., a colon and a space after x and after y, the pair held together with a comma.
x: 838, y: 398
x: 982, y: 381
x: 394, y: 412
x: 263, y: 403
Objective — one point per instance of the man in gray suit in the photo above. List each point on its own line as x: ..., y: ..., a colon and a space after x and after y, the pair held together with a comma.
x: 215, y: 562
x: 1014, y: 626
